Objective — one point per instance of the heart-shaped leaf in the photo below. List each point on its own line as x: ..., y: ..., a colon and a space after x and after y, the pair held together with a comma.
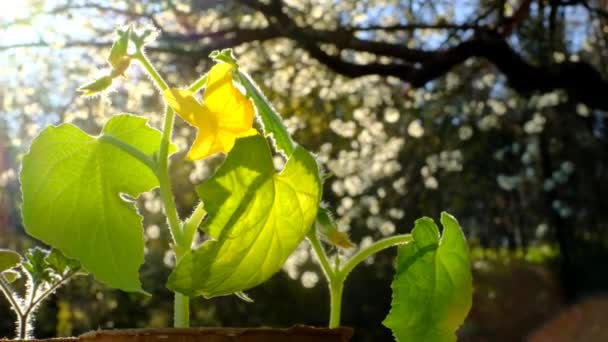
x: 73, y: 187
x: 432, y: 288
x: 257, y: 218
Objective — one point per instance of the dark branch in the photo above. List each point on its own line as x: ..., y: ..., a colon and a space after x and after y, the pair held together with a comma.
x: 581, y: 81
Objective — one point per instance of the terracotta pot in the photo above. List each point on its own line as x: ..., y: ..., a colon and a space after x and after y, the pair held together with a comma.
x: 298, y: 333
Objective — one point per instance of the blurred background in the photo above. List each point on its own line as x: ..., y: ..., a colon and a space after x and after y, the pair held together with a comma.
x: 494, y: 110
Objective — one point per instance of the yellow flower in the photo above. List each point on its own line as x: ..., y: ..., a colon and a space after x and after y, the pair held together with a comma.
x: 225, y: 115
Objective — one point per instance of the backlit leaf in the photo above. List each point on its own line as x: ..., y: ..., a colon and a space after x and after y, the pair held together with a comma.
x: 257, y: 218
x: 11, y: 276
x: 432, y: 288
x: 73, y: 186
x: 8, y: 259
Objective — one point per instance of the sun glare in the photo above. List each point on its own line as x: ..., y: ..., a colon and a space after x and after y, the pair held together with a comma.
x: 13, y: 10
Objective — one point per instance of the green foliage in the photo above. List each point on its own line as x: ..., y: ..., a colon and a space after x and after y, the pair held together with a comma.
x: 44, y: 273
x: 35, y: 264
x: 97, y: 86
x: 257, y: 217
x: 273, y: 124
x: 74, y: 187
x: 79, y: 190
x: 11, y: 276
x: 328, y: 229
x: 60, y: 264
x: 8, y: 259
x: 432, y: 289
x: 118, y: 52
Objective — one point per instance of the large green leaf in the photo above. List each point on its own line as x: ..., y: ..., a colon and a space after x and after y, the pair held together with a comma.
x: 256, y: 220
x: 8, y: 259
x: 432, y: 288
x: 74, y: 196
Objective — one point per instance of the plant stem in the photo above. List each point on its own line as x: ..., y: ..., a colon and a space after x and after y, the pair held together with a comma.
x: 182, y: 303
x: 156, y: 78
x: 321, y: 255
x: 371, y: 250
x: 199, y: 83
x: 181, y: 313
x: 336, y: 276
x: 335, y: 295
x: 9, y: 293
x: 334, y: 283
x: 191, y: 224
x: 50, y: 291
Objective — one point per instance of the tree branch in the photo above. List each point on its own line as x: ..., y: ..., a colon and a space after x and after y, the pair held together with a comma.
x: 580, y: 80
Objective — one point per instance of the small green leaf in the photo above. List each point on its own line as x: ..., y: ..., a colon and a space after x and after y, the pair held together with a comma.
x: 74, y: 196
x: 96, y: 86
x: 36, y: 266
x: 61, y: 264
x: 11, y: 276
x: 8, y: 259
x: 256, y: 220
x: 273, y: 124
x: 432, y: 289
x: 328, y: 229
x: 224, y: 55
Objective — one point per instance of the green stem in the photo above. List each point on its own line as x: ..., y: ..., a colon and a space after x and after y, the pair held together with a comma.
x: 371, y: 250
x: 156, y: 78
x: 166, y: 193
x: 181, y: 313
x: 50, y: 291
x: 335, y: 295
x: 192, y: 223
x: 336, y: 276
x: 199, y: 84
x: 334, y: 283
x: 182, y: 303
x: 321, y: 255
x: 9, y: 293
x: 131, y: 150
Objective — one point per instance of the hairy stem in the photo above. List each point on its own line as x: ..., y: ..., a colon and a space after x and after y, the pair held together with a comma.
x: 321, y: 255
x: 336, y: 276
x: 182, y: 303
x: 50, y: 291
x: 10, y: 295
x: 371, y: 250
x: 334, y: 283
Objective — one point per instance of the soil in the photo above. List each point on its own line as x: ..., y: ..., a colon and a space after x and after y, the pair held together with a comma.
x: 298, y: 333
x: 584, y: 321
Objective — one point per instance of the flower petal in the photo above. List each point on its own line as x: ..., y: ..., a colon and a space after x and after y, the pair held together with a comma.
x: 233, y: 111
x: 184, y: 104
x: 207, y: 143
x: 225, y: 115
